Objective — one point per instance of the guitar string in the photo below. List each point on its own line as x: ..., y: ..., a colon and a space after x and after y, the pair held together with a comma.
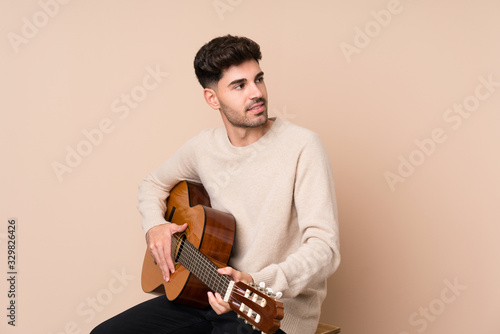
x: 191, y: 254
x: 200, y: 266
x: 265, y: 312
x: 221, y: 282
x: 203, y: 268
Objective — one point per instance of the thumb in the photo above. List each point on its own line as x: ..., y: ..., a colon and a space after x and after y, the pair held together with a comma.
x: 178, y: 228
x: 226, y: 271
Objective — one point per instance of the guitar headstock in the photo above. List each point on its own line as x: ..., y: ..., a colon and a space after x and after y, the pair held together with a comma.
x: 257, y: 306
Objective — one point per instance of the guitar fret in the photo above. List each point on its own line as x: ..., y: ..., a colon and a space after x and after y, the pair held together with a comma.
x: 197, y: 263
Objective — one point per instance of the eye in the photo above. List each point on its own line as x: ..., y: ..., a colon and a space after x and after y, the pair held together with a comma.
x: 239, y: 87
x: 261, y: 79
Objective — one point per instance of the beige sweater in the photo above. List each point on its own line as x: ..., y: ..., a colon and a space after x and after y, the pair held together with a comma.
x: 280, y: 190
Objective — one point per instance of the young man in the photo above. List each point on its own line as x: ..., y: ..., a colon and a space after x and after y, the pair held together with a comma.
x: 276, y: 182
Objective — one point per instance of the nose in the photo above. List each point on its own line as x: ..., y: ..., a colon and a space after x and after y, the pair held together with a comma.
x: 255, y: 91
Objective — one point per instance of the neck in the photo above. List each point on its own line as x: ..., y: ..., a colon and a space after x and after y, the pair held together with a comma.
x: 239, y: 136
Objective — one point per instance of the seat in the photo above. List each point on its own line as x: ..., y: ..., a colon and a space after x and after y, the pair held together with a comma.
x: 327, y: 329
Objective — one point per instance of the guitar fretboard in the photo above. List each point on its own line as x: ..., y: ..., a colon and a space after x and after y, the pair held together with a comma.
x: 200, y: 266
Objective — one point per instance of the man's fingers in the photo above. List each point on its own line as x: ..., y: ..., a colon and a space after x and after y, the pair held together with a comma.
x: 213, y: 302
x: 169, y: 261
x: 236, y: 275
x: 159, y: 256
x: 174, y: 228
x: 217, y: 303
x: 159, y: 239
x: 228, y: 271
x: 160, y: 250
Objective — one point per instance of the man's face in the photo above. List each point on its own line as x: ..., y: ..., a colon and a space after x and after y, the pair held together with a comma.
x: 242, y: 95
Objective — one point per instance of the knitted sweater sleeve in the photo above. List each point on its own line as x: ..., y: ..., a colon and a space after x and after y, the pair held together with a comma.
x: 318, y: 255
x: 155, y: 187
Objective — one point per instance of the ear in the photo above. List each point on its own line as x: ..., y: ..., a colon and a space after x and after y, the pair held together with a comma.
x: 211, y: 98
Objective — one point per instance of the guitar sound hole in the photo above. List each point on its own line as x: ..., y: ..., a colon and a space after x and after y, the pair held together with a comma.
x: 179, y: 246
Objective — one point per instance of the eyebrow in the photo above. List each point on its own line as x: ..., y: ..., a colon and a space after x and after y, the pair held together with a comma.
x: 239, y: 81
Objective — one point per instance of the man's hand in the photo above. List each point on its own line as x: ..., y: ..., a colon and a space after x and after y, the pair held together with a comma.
x: 159, y: 240
x: 215, y: 300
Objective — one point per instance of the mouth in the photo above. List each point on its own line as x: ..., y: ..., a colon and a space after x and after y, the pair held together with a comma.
x: 257, y: 108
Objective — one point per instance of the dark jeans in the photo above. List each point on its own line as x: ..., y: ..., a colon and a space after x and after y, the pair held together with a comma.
x: 160, y: 316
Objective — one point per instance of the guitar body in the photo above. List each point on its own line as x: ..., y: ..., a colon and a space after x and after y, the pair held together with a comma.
x: 209, y: 230
x: 203, y: 247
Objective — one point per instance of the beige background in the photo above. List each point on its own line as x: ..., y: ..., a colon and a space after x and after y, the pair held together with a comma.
x: 417, y: 183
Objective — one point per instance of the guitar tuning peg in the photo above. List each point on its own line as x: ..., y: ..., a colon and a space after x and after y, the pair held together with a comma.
x: 279, y: 294
x: 262, y: 285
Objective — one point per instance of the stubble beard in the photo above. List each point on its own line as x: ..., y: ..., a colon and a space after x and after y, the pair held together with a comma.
x: 244, y: 121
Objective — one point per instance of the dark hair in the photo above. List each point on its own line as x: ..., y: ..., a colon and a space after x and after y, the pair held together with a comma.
x: 221, y: 53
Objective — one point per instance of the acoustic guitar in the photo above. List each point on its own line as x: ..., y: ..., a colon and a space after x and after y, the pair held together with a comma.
x: 198, y: 252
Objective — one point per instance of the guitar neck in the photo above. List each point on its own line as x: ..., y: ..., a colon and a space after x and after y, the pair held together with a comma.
x: 251, y: 304
x: 200, y: 266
